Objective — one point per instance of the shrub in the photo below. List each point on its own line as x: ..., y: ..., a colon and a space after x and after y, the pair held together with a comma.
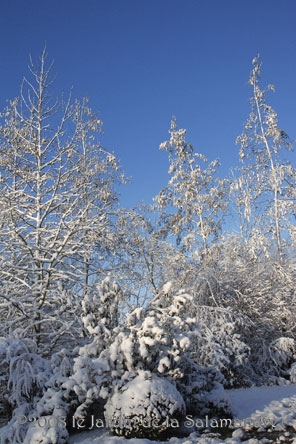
x: 145, y: 407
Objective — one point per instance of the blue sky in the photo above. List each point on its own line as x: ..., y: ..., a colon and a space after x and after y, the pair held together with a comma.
x: 140, y: 62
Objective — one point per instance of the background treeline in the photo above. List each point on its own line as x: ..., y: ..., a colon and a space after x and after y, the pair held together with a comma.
x: 194, y: 293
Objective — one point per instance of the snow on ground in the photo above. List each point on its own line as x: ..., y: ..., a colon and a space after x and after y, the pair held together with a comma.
x: 244, y: 402
x: 274, y: 408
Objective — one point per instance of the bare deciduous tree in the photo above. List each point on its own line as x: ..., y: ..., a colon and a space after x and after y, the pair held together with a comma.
x: 57, y: 196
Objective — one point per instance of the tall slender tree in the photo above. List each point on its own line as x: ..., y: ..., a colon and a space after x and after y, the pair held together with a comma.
x: 267, y: 181
x: 193, y: 203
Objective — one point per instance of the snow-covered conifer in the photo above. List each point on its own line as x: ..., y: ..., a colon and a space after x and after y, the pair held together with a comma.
x: 91, y: 370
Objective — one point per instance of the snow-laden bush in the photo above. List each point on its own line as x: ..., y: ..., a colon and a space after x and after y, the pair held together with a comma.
x: 25, y: 374
x: 203, y: 391
x: 220, y: 345
x: 157, y: 339
x: 47, y: 430
x: 34, y: 390
x: 14, y: 432
x: 22, y: 370
x: 275, y: 359
x: 53, y: 407
x: 283, y: 355
x: 147, y: 406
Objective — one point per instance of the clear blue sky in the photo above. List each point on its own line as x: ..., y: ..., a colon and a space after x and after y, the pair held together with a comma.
x: 142, y: 61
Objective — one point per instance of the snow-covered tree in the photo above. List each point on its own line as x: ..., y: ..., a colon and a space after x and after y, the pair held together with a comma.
x: 91, y: 375
x: 266, y: 188
x: 100, y: 309
x: 193, y: 202
x: 57, y: 197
